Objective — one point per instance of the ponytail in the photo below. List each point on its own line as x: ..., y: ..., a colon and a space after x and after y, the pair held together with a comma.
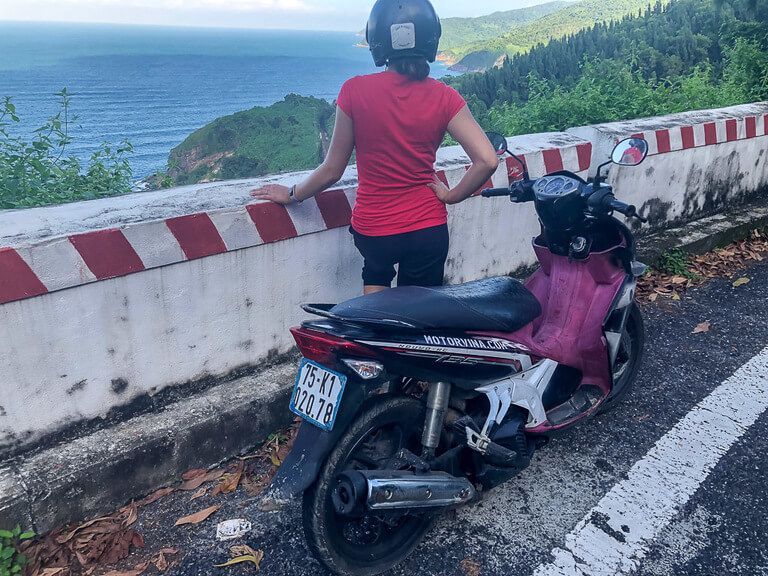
x: 415, y: 68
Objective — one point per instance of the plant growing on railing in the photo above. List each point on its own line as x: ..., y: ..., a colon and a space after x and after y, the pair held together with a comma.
x: 11, y: 560
x: 40, y: 170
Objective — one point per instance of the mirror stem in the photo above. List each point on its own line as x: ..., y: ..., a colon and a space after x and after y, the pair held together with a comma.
x: 599, y: 176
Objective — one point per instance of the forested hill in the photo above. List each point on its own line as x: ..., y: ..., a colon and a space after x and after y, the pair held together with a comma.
x: 289, y: 135
x: 569, y: 19
x: 460, y: 33
x: 687, y: 55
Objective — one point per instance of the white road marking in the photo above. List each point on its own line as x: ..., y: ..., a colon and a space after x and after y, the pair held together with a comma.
x: 614, y: 536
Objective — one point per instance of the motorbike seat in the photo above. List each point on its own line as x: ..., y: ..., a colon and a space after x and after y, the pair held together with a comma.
x: 495, y: 304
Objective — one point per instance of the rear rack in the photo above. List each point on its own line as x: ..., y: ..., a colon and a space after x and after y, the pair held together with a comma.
x: 324, y: 311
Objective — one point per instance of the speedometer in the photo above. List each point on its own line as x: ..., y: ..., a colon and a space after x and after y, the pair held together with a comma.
x: 555, y: 186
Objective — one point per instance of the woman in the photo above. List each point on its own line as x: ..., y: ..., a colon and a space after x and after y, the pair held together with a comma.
x: 395, y: 121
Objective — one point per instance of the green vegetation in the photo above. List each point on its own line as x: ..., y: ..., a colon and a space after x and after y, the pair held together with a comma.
x: 458, y: 33
x: 289, y: 135
x: 567, y: 20
x: 11, y: 560
x: 677, y: 263
x: 686, y: 56
x: 39, y: 172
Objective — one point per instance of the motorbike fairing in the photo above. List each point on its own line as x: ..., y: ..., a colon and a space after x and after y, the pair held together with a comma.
x: 576, y: 297
x: 301, y: 467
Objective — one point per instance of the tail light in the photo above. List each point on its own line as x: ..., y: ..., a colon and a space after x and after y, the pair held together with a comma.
x: 325, y: 348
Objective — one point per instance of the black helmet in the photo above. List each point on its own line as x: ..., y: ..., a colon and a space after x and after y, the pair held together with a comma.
x: 402, y: 29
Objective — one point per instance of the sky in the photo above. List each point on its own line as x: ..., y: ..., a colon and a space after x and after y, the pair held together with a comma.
x: 288, y: 14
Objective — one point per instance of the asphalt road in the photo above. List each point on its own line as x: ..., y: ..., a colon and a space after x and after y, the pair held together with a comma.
x: 718, y: 528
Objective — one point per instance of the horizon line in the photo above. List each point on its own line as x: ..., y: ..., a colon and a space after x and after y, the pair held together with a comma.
x: 173, y: 26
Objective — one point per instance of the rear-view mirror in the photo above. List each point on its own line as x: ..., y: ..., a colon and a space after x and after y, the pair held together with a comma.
x: 630, y: 152
x: 499, y: 143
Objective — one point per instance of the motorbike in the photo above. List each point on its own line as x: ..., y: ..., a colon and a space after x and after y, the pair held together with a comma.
x: 419, y: 400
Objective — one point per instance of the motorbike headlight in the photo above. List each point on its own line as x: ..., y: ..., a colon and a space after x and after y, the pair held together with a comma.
x: 366, y: 369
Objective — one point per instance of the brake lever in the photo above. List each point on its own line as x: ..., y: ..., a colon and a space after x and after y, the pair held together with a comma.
x: 519, y: 194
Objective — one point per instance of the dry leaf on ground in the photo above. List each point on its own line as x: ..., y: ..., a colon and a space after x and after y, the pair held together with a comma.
x: 231, y: 480
x: 140, y: 569
x: 100, y: 542
x: 242, y: 550
x: 194, y: 473
x: 470, y: 567
x: 197, y: 517
x: 200, y: 493
x: 160, y: 561
x: 243, y: 553
x: 716, y: 264
x: 741, y: 282
x: 702, y: 328
x: 155, y: 496
x: 197, y: 481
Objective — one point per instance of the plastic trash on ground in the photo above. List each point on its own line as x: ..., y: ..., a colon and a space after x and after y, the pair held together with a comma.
x: 231, y: 529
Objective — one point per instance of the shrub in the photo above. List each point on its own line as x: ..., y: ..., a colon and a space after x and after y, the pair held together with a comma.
x: 11, y: 560
x: 40, y: 172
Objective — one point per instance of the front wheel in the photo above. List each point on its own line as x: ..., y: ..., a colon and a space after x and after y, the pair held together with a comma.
x: 374, y: 543
x: 628, y: 358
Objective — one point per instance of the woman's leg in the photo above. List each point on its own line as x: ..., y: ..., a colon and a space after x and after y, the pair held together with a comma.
x: 379, y: 261
x: 423, y: 256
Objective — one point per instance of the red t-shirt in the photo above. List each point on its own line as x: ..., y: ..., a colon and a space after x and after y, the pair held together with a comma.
x: 399, y: 125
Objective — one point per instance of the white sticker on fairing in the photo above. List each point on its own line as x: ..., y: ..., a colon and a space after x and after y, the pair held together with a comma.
x: 403, y: 36
x: 469, y: 343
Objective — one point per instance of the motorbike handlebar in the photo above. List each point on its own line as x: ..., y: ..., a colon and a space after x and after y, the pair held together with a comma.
x: 518, y: 192
x: 629, y: 210
x: 494, y: 192
x: 602, y: 200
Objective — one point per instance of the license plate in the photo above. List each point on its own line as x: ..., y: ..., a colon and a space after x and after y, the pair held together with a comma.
x: 317, y: 394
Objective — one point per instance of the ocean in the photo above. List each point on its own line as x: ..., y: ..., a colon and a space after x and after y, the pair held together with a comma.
x: 153, y: 86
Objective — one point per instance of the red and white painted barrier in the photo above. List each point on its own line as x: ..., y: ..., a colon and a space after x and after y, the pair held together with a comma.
x: 76, y: 259
x: 666, y: 140
x: 698, y: 162
x: 680, y: 132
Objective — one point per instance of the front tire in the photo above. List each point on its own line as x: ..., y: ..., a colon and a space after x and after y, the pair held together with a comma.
x: 370, y: 545
x: 628, y: 358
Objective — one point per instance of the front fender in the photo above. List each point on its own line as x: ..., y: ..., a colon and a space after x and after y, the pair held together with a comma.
x: 311, y: 447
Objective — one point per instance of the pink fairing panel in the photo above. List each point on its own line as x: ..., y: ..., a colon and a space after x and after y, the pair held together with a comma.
x: 575, y: 297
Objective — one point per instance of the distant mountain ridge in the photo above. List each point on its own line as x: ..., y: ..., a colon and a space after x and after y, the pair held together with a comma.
x: 461, y: 32
x: 568, y: 19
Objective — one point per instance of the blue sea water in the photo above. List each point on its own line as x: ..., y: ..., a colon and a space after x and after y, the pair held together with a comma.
x: 155, y: 85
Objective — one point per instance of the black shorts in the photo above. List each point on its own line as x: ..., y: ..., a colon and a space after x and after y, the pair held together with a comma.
x: 421, y: 256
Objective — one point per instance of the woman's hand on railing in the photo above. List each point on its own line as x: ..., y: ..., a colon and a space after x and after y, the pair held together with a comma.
x: 274, y: 193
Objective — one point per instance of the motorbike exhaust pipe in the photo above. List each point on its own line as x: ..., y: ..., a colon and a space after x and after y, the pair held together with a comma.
x: 359, y: 491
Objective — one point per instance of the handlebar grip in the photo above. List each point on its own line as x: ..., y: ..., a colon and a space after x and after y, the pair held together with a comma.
x: 494, y: 192
x: 522, y: 191
x: 629, y: 210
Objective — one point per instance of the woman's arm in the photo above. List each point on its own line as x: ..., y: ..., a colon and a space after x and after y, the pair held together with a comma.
x: 327, y: 174
x: 467, y: 132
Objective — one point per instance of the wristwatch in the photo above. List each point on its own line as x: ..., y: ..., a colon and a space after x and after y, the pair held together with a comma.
x: 292, y: 195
